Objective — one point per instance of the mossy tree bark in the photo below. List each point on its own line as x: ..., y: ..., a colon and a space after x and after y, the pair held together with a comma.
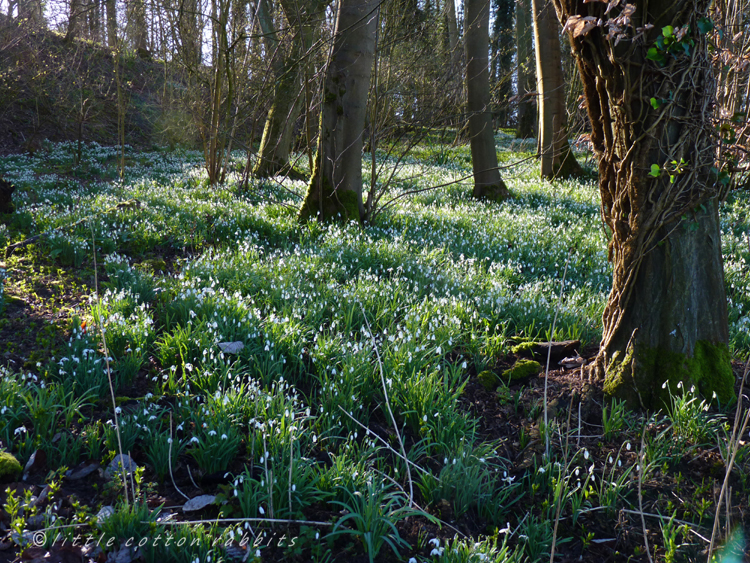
x: 665, y: 321
x: 526, y: 106
x: 335, y: 189
x: 487, y: 181
x: 557, y: 159
x: 289, y: 69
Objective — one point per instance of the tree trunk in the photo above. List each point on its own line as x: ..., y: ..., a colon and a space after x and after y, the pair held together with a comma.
x: 455, y: 94
x: 95, y: 15
x: 74, y: 18
x: 526, y: 107
x: 111, y: 8
x: 31, y: 10
x: 455, y: 50
x: 335, y: 189
x: 557, y: 158
x: 502, y: 41
x: 649, y: 101
x: 487, y: 181
x: 289, y: 68
x: 189, y: 34
x: 139, y: 29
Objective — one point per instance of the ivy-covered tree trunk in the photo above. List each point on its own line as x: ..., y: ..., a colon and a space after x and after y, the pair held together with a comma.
x: 487, y: 181
x: 649, y: 89
x: 288, y: 67
x: 335, y: 189
x: 556, y: 157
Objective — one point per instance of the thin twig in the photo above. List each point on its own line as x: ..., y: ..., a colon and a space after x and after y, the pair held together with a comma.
x: 171, y: 475
x: 549, y: 354
x: 109, y: 377
x: 388, y: 406
x: 641, y: 459
x: 386, y: 444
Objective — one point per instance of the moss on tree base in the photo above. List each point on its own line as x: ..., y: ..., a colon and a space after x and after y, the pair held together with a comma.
x: 646, y: 377
x: 325, y: 203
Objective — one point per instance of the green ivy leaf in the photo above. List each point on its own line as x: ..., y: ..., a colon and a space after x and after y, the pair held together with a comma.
x: 655, y: 171
x: 655, y: 55
x: 667, y: 31
x: 705, y: 25
x: 656, y: 104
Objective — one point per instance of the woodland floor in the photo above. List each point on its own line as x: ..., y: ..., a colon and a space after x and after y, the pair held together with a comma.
x: 675, y: 503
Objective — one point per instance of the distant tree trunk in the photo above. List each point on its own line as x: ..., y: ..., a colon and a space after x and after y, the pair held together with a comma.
x: 31, y: 10
x: 557, y: 159
x: 239, y: 24
x: 74, y: 19
x: 455, y: 89
x: 665, y: 321
x: 335, y: 189
x: 502, y: 41
x: 487, y: 181
x: 289, y: 69
x: 111, y: 8
x: 94, y: 17
x: 189, y: 35
x: 527, y: 118
x: 137, y: 21
x: 453, y: 36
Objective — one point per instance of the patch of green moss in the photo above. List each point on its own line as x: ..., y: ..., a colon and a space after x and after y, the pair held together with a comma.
x: 10, y: 468
x: 522, y: 369
x: 488, y: 379
x: 658, y: 372
x: 524, y: 348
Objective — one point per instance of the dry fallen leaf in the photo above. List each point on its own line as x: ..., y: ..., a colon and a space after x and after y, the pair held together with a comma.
x: 231, y: 347
x: 579, y: 25
x: 198, y: 503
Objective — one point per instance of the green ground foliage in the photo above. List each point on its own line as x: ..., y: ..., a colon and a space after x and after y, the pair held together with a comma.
x: 286, y: 368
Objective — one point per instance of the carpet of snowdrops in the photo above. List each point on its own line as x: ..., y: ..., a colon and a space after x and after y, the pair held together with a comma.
x: 355, y: 347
